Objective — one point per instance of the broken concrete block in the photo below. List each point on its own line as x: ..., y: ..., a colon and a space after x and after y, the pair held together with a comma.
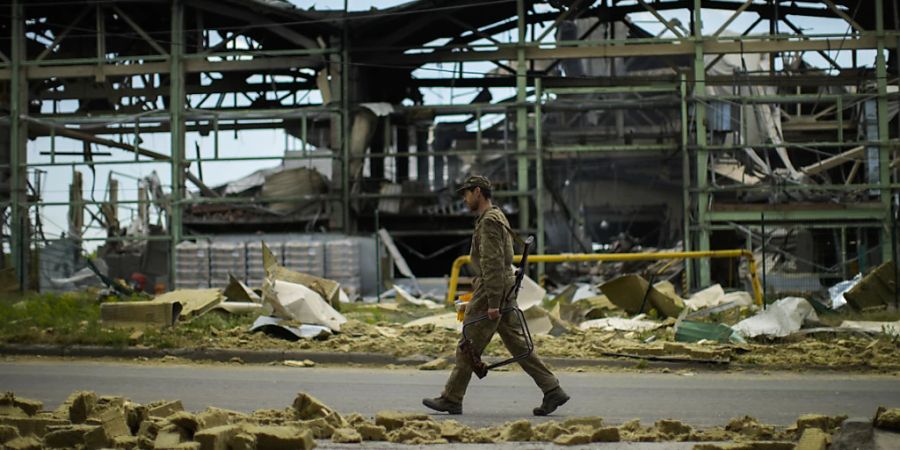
x: 608, y: 434
x: 169, y: 436
x: 346, y: 436
x: 216, y: 438
x: 573, y: 439
x: 81, y: 403
x: 213, y: 417
x: 186, y: 421
x: 8, y: 433
x: 281, y: 438
x: 113, y: 421
x: 592, y: 422
x: 125, y: 442
x: 164, y: 408
x: 242, y: 441
x: 392, y: 420
x: 68, y: 437
x: 888, y: 419
x: 671, y: 427
x: 371, y: 432
x: 37, y: 425
x: 813, y: 439
x: 96, y: 439
x: 519, y: 430
x: 826, y: 423
x: 320, y: 427
x: 134, y: 415
x: 28, y: 406
x: 855, y: 433
x: 307, y: 407
x: 23, y: 443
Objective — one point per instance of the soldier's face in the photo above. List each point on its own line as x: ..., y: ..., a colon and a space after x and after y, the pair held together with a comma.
x: 471, y: 199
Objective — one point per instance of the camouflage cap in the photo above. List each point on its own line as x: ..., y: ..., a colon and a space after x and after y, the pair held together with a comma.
x: 475, y: 181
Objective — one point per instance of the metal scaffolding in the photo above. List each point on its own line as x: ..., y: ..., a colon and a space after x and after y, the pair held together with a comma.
x: 133, y: 73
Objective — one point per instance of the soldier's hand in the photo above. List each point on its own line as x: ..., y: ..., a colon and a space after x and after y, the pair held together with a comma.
x: 493, y: 313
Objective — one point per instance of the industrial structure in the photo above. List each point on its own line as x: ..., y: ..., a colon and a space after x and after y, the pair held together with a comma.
x: 693, y: 138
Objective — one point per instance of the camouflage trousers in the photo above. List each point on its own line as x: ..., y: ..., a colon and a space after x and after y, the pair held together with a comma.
x: 510, y: 330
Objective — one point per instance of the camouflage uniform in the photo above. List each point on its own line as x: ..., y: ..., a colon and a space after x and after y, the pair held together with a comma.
x: 492, y: 255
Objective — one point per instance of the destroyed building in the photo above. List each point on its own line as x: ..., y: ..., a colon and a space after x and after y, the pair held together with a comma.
x: 694, y: 125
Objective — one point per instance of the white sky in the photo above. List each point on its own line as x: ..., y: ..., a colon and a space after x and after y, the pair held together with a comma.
x: 272, y: 142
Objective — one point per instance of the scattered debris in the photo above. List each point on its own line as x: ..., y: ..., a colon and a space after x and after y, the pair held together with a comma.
x: 875, y: 290
x: 780, y: 319
x: 636, y: 323
x: 405, y: 298
x: 294, y: 301
x: 634, y: 294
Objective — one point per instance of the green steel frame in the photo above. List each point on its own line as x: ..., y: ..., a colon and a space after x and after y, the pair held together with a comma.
x: 688, y: 88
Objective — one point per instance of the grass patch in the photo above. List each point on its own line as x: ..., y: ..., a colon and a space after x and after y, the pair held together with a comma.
x: 68, y: 318
x: 372, y: 314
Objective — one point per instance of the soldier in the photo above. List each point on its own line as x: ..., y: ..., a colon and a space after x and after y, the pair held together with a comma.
x: 492, y: 255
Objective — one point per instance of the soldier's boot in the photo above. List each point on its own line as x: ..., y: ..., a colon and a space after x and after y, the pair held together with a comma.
x: 552, y: 400
x: 443, y: 405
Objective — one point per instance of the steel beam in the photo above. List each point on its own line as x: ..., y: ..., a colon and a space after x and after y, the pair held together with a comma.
x: 884, y: 149
x: 702, y: 158
x: 522, y: 117
x: 17, y: 150
x: 176, y: 121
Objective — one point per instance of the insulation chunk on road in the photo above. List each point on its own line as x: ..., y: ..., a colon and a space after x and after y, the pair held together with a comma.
x: 393, y: 420
x: 888, y: 419
x: 307, y: 407
x: 346, y: 436
x: 519, y: 430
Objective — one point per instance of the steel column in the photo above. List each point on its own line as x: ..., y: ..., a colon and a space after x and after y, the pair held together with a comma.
x: 884, y: 149
x: 522, y: 116
x: 17, y: 142
x: 702, y: 152
x: 176, y: 113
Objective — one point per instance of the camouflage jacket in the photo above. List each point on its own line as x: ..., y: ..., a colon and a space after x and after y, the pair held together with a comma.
x: 492, y: 256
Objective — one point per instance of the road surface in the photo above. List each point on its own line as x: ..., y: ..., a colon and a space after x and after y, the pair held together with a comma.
x: 699, y: 399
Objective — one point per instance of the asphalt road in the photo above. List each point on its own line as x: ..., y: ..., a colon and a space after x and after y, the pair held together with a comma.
x: 700, y: 399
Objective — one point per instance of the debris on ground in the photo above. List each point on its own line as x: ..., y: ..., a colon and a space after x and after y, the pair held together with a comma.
x: 780, y: 319
x: 874, y: 291
x: 90, y: 421
x: 406, y: 299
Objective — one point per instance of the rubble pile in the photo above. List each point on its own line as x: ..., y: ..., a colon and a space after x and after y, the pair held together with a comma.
x: 87, y: 420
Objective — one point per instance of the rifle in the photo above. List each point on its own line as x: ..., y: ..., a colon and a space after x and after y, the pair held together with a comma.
x: 467, y: 347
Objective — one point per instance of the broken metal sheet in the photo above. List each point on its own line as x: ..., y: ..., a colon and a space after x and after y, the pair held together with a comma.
x: 194, y: 302
x: 297, y: 302
x: 540, y: 321
x: 584, y: 291
x: 446, y: 320
x: 734, y: 171
x: 632, y: 293
x: 78, y: 280
x: 836, y: 292
x: 780, y: 319
x: 238, y: 307
x: 405, y: 298
x: 690, y: 331
x: 636, y: 323
x: 398, y: 258
x: 286, y: 329
x: 889, y: 328
x: 330, y: 290
x: 530, y: 294
x: 875, y: 290
x: 236, y: 291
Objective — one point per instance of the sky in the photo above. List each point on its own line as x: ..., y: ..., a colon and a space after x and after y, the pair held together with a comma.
x: 55, y: 180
